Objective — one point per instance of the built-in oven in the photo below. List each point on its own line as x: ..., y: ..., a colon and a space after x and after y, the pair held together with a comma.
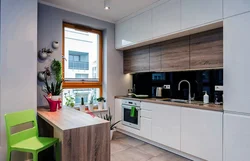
x: 131, y: 113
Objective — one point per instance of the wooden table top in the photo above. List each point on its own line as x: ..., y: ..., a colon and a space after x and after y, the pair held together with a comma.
x: 67, y: 118
x: 193, y: 104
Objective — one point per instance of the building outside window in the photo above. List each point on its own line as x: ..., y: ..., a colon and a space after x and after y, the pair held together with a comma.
x: 78, y: 60
x: 81, y: 75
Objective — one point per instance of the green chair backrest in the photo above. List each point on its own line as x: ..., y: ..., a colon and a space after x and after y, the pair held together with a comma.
x: 18, y: 118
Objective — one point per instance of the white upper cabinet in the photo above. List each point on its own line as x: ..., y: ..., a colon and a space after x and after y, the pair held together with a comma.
x: 142, y: 27
x: 236, y: 63
x: 201, y: 133
x: 234, y: 7
x: 166, y: 18
x: 124, y: 35
x: 166, y: 123
x: 199, y: 12
x: 134, y: 30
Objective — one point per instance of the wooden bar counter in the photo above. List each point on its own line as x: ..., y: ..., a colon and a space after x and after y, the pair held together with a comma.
x: 82, y: 137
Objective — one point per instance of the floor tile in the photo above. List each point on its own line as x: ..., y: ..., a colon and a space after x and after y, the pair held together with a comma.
x: 118, y: 135
x: 125, y: 148
x: 131, y: 154
x: 167, y: 156
x: 131, y: 141
x: 150, y: 149
x: 117, y: 146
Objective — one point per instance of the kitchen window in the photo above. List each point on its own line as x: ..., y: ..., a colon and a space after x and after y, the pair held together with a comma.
x: 82, y: 62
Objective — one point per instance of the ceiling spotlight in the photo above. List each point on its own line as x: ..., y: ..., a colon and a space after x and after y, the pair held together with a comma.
x: 106, y: 4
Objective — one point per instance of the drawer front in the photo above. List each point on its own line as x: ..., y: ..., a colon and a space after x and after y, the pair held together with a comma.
x: 146, y: 113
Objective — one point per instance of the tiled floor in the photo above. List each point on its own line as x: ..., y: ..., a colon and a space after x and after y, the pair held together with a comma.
x: 125, y: 148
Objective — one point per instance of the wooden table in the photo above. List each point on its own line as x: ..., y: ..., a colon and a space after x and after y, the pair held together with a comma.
x: 82, y: 137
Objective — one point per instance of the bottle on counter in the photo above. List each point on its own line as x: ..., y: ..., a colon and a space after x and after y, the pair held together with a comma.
x: 82, y: 106
x: 206, y: 98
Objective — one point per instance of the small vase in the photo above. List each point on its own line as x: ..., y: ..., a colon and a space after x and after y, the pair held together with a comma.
x: 55, y: 44
x: 100, y: 105
x: 41, y: 76
x: 112, y: 133
x: 91, y: 107
x: 42, y: 55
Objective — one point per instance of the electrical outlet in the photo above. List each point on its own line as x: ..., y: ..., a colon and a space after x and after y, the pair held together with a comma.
x: 218, y: 88
x: 166, y: 86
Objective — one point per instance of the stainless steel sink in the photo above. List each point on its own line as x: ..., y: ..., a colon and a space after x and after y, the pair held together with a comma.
x: 176, y: 100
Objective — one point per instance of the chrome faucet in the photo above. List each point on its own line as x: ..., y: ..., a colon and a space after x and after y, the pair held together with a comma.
x: 189, y: 89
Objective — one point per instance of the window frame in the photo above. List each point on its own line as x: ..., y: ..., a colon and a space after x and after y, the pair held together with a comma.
x: 83, y: 84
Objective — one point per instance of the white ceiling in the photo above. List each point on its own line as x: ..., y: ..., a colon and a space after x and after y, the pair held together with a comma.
x: 95, y: 8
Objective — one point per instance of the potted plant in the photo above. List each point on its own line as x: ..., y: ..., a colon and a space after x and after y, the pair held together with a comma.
x: 109, y: 117
x: 70, y: 101
x: 56, y: 68
x: 54, y: 89
x: 91, y: 103
x: 101, y: 101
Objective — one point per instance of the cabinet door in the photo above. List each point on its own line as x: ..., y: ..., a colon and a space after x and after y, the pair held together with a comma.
x: 166, y: 18
x: 199, y: 12
x: 142, y: 27
x: 166, y: 125
x: 123, y: 34
x: 136, y: 60
x: 236, y: 63
x: 175, y: 54
x: 146, y: 129
x: 206, y: 49
x: 118, y: 111
x: 201, y: 133
x: 236, y: 137
x: 233, y: 7
x: 155, y: 57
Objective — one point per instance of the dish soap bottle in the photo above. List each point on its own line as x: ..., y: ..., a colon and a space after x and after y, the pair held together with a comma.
x: 206, y: 98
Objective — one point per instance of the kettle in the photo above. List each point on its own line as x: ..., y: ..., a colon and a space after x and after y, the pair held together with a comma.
x: 158, y: 92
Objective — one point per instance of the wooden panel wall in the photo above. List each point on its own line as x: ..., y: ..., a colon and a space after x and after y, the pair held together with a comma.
x: 91, y: 143
x: 199, y: 51
x: 206, y: 49
x: 136, y: 60
x: 175, y: 54
x: 155, y: 57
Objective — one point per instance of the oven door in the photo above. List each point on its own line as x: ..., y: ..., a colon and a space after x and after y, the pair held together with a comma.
x: 134, y: 122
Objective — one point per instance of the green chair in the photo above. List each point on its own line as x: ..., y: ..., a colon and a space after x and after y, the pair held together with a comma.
x: 27, y: 140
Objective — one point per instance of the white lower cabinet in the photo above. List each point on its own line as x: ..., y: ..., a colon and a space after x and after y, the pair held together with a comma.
x: 118, y: 111
x: 236, y: 137
x: 166, y: 124
x: 201, y: 133
x: 146, y: 127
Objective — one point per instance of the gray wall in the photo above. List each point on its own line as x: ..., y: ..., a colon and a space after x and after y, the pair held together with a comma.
x: 50, y: 22
x: 18, y: 63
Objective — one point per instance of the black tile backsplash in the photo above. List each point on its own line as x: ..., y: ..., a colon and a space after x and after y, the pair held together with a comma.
x: 202, y: 80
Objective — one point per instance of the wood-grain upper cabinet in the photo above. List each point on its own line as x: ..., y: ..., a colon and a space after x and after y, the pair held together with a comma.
x: 199, y: 12
x: 175, y: 54
x: 155, y: 57
x: 166, y: 18
x: 233, y: 7
x: 206, y: 49
x: 136, y: 60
